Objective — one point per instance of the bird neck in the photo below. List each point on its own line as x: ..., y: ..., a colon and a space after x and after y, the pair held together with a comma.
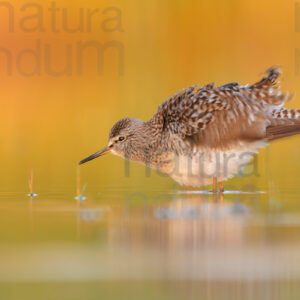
x: 144, y: 144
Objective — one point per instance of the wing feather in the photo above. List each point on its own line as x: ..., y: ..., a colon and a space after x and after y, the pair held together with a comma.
x: 219, y: 116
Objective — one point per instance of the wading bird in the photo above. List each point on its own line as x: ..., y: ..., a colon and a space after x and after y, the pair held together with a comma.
x: 205, y: 135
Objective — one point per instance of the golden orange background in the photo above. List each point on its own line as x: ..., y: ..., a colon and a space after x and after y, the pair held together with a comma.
x: 136, y: 237
x: 50, y: 123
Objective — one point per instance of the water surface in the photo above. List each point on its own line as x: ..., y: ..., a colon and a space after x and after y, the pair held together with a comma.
x: 160, y: 244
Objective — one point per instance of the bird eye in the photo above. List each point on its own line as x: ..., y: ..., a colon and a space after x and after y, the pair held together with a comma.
x: 121, y: 138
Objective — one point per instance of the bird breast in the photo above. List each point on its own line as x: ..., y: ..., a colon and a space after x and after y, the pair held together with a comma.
x: 198, y: 168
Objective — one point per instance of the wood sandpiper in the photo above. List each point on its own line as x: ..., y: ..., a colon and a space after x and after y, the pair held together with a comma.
x: 205, y: 135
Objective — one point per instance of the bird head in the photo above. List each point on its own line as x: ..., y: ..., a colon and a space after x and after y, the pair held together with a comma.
x: 126, y: 139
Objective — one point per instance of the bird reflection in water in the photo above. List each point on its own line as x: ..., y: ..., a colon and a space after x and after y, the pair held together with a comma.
x: 205, y: 209
x: 186, y: 221
x: 188, y: 236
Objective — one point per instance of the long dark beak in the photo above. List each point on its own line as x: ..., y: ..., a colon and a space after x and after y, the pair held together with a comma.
x: 103, y: 151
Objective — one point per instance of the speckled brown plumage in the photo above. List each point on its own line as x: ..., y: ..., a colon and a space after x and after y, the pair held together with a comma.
x: 207, y: 121
x: 219, y: 116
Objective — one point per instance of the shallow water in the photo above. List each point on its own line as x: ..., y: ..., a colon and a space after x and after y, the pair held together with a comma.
x: 144, y: 245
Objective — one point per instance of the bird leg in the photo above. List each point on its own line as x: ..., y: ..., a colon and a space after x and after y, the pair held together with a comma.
x: 221, y: 187
x: 215, y: 185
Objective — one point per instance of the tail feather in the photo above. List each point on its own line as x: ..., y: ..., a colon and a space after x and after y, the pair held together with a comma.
x: 283, y: 121
x: 282, y: 128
